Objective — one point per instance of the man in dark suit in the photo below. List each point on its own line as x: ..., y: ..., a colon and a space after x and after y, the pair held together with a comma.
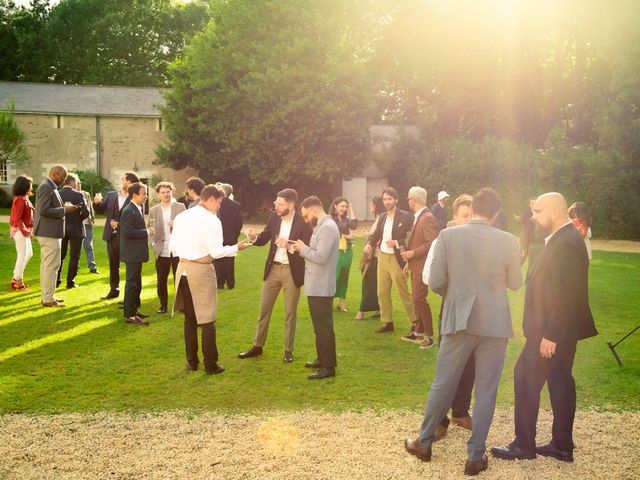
x: 283, y: 270
x: 556, y: 316
x: 112, y: 205
x: 48, y: 228
x: 74, y: 229
x: 134, y: 251
x: 230, y: 215
x: 473, y: 265
x: 439, y: 210
x: 391, y: 236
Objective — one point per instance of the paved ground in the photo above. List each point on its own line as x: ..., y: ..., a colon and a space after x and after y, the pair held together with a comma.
x: 303, y: 445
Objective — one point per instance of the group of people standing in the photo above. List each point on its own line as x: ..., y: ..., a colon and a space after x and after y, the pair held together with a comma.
x: 467, y: 261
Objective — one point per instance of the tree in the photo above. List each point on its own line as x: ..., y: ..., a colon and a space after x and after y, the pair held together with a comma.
x: 273, y: 91
x: 12, y: 139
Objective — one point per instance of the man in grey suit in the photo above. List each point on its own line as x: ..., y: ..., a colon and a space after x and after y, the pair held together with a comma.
x: 48, y: 227
x: 473, y: 265
x: 321, y: 260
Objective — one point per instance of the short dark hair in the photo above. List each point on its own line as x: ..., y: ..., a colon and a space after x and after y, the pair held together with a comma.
x: 164, y: 185
x: 289, y: 195
x: 210, y: 191
x: 486, y: 202
x: 392, y: 192
x: 22, y: 185
x: 332, y: 210
x: 196, y: 184
x: 310, y: 202
x: 134, y: 188
x: 131, y: 177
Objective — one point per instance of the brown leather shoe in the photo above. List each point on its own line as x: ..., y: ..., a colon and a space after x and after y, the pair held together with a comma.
x: 420, y: 451
x: 54, y: 304
x: 474, y: 467
x: 136, y: 320
x: 464, y: 422
x: 441, y: 431
x: 252, y: 352
x: 387, y: 327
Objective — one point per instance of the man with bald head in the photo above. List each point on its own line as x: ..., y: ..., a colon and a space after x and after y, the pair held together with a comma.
x: 48, y: 228
x: 556, y: 316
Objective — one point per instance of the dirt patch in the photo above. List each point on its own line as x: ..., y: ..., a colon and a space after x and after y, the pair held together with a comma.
x: 616, y: 246
x: 304, y: 445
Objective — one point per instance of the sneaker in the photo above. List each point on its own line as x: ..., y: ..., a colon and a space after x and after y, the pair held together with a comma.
x: 427, y: 342
x: 413, y: 337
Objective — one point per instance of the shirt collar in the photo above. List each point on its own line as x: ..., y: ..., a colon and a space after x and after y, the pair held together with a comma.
x: 419, y: 212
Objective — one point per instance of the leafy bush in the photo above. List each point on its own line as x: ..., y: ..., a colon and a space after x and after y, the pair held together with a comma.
x: 5, y: 199
x: 94, y: 183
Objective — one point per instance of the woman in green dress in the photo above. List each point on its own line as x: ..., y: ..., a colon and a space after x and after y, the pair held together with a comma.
x: 345, y: 223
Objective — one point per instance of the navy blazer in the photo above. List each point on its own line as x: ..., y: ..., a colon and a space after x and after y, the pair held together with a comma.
x: 300, y: 230
x: 74, y: 220
x: 48, y: 218
x: 402, y: 226
x: 109, y: 205
x: 230, y: 215
x: 133, y: 236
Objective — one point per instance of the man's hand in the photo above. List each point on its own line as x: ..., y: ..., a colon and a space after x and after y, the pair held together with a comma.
x: 71, y: 208
x: 113, y: 224
x: 243, y: 245
x: 368, y: 249
x: 547, y: 348
x: 407, y: 255
x: 151, y: 231
x: 296, y: 247
x: 391, y: 243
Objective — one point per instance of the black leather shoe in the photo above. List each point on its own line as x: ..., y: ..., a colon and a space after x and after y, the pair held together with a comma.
x: 215, y: 370
x: 474, y: 467
x: 95, y: 272
x: 414, y: 447
x: 191, y: 367
x: 110, y: 295
x: 72, y: 285
x: 548, y: 450
x: 252, y: 352
x: 288, y: 358
x: 387, y: 327
x: 511, y: 452
x: 162, y: 309
x: 314, y: 364
x: 142, y: 315
x: 323, y: 373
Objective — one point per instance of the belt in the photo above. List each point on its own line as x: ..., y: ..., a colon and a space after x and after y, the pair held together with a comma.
x: 280, y: 263
x: 201, y: 261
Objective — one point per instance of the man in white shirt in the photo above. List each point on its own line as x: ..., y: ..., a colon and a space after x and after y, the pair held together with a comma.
x: 197, y: 240
x: 161, y: 217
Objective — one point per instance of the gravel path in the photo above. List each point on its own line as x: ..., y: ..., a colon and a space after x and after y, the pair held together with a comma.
x: 302, y: 445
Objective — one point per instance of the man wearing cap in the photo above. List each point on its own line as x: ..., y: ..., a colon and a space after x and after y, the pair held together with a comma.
x: 439, y: 210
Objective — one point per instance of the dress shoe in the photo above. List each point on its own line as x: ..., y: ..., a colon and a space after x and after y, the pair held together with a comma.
x: 512, y: 452
x: 426, y: 343
x: 72, y: 285
x: 53, y: 304
x: 95, y: 272
x: 548, y: 450
x: 387, y: 327
x: 136, y: 320
x: 110, y: 295
x: 412, y: 337
x: 215, y: 370
x: 191, y: 367
x: 59, y: 300
x: 322, y: 373
x: 142, y: 315
x: 415, y: 448
x: 288, y: 358
x: 162, y: 309
x: 474, y: 467
x: 252, y: 352
x: 314, y: 364
x: 464, y: 422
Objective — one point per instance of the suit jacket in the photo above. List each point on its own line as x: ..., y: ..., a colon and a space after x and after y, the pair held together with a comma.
x: 402, y: 225
x: 49, y: 215
x: 74, y: 226
x: 230, y: 215
x: 109, y: 205
x: 133, y: 235
x: 440, y: 213
x: 556, y: 304
x: 321, y: 257
x: 423, y: 234
x: 155, y: 214
x: 300, y: 230
x: 472, y: 267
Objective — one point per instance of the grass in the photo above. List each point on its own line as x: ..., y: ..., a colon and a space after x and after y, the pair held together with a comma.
x: 84, y: 358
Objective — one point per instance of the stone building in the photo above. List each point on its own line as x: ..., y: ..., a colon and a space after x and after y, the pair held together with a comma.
x: 108, y: 130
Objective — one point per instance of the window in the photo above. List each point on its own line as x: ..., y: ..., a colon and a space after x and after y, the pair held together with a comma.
x: 160, y: 125
x: 58, y: 122
x: 4, y: 172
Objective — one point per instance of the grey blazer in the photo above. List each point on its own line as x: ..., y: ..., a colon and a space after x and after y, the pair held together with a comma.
x: 48, y: 218
x: 155, y: 213
x: 472, y: 267
x: 321, y: 259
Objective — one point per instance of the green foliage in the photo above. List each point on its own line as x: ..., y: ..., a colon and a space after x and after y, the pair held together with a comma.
x: 272, y: 91
x: 94, y: 183
x: 5, y: 199
x: 79, y: 359
x: 12, y: 139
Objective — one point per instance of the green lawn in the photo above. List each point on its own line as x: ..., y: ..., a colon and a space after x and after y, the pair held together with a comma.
x: 85, y: 358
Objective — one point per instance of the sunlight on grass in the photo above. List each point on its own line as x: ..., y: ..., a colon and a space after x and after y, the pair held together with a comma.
x: 55, y: 338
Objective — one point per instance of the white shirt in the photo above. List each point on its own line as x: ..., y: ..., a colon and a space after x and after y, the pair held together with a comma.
x: 121, y: 199
x: 428, y: 262
x: 166, y: 216
x: 285, y: 231
x: 386, y: 235
x: 139, y: 208
x: 197, y: 233
x: 546, y: 240
x: 416, y: 215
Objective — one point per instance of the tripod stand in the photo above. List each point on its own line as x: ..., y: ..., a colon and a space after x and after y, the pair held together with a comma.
x: 613, y: 346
